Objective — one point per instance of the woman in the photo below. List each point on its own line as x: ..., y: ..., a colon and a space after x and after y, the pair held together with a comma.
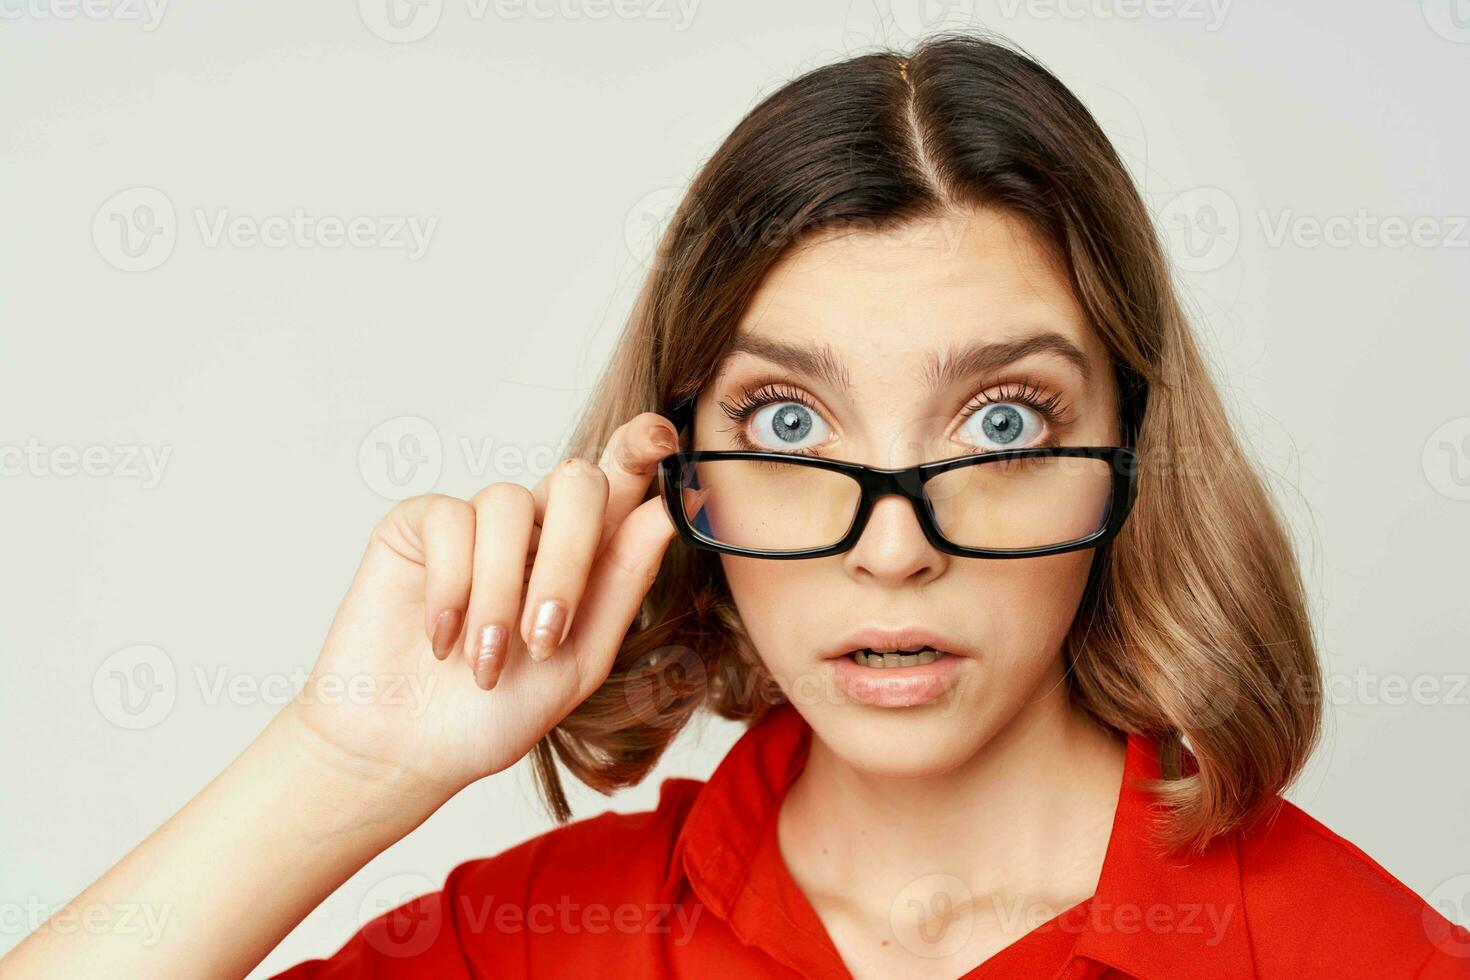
x: 1025, y: 713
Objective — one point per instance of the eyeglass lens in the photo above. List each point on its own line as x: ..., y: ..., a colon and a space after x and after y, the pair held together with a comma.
x: 1030, y: 502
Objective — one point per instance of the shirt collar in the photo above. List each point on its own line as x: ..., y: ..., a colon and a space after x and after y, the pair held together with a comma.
x: 1152, y: 917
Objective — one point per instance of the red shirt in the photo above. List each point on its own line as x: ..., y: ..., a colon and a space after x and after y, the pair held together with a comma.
x: 697, y: 888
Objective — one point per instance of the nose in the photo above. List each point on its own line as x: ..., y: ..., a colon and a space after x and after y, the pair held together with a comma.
x: 893, y: 549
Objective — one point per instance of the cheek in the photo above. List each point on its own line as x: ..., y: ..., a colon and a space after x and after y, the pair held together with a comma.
x: 772, y: 595
x: 1027, y: 605
x: 1020, y: 610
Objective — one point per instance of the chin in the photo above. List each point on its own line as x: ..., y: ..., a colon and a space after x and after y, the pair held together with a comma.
x: 923, y: 747
x: 903, y: 743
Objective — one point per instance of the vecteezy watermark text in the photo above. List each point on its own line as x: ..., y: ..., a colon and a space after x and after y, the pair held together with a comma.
x: 137, y: 687
x: 407, y: 21
x: 1210, y: 13
x: 390, y: 232
x: 142, y: 919
x: 147, y: 13
x: 137, y: 229
x: 128, y: 462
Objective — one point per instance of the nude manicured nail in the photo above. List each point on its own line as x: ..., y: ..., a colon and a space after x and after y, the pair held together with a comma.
x: 546, y: 629
x: 665, y: 440
x: 489, y: 653
x: 446, y: 628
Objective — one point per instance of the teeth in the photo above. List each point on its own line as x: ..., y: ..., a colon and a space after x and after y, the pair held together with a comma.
x: 871, y: 658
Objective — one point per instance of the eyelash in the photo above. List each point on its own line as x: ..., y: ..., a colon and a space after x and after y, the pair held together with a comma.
x: 1051, y: 407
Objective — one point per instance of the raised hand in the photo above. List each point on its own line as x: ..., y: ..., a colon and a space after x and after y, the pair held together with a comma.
x: 471, y: 628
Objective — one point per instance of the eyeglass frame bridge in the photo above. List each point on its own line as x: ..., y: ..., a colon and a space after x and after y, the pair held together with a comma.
x: 906, y: 481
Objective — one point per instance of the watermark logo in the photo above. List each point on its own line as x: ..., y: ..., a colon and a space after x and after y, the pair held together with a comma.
x: 401, y: 458
x: 1446, y: 459
x: 645, y: 223
x: 1451, y: 899
x: 933, y: 916
x: 1450, y: 19
x: 136, y: 687
x: 1203, y: 226
x: 411, y: 927
x: 405, y: 456
x: 401, y: 21
x: 665, y: 685
x: 135, y: 230
x: 900, y: 23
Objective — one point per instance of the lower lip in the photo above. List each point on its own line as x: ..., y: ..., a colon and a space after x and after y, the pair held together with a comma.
x: 895, y: 687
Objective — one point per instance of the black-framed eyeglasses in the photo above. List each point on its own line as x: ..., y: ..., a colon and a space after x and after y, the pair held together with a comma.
x: 1010, y: 503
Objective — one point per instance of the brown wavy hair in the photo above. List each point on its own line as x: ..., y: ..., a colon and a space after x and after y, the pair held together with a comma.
x: 1193, y: 627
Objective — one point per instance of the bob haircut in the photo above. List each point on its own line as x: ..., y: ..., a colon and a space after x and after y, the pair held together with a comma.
x: 1193, y: 627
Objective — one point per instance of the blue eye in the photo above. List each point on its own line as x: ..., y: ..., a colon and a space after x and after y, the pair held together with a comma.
x: 1003, y: 425
x: 784, y: 424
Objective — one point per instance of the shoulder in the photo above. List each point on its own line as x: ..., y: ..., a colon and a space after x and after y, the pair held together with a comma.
x: 625, y: 853
x: 574, y: 898
x: 599, y: 888
x: 643, y: 841
x: 1316, y: 899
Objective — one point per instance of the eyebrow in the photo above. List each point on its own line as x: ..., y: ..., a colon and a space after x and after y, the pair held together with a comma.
x: 969, y: 360
x: 940, y: 369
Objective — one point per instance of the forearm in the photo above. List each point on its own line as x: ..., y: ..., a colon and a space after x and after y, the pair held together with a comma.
x: 216, y: 887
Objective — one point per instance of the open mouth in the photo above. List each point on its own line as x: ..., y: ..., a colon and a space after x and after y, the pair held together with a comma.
x: 867, y: 657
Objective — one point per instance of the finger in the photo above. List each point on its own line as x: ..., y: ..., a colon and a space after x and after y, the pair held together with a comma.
x: 571, y: 532
x: 445, y: 529
x: 630, y: 461
x: 504, y: 516
x: 624, y: 573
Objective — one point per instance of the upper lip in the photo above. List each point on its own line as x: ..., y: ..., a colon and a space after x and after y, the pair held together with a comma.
x: 887, y: 639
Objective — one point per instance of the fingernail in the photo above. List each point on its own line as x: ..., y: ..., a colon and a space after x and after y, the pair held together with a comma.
x: 490, y: 649
x: 446, y: 628
x: 546, y: 629
x: 665, y: 440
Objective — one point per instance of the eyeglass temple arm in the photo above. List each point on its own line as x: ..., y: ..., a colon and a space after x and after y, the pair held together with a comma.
x: 682, y: 413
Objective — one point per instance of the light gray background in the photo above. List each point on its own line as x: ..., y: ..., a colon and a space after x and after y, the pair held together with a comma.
x: 546, y: 140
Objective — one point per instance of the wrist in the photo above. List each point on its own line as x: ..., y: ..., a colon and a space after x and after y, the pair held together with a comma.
x: 366, y: 794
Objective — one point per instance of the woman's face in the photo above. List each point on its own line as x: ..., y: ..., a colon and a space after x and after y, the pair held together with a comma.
x: 944, y: 337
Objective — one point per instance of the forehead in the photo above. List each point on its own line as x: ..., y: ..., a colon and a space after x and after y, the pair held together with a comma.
x: 878, y: 294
